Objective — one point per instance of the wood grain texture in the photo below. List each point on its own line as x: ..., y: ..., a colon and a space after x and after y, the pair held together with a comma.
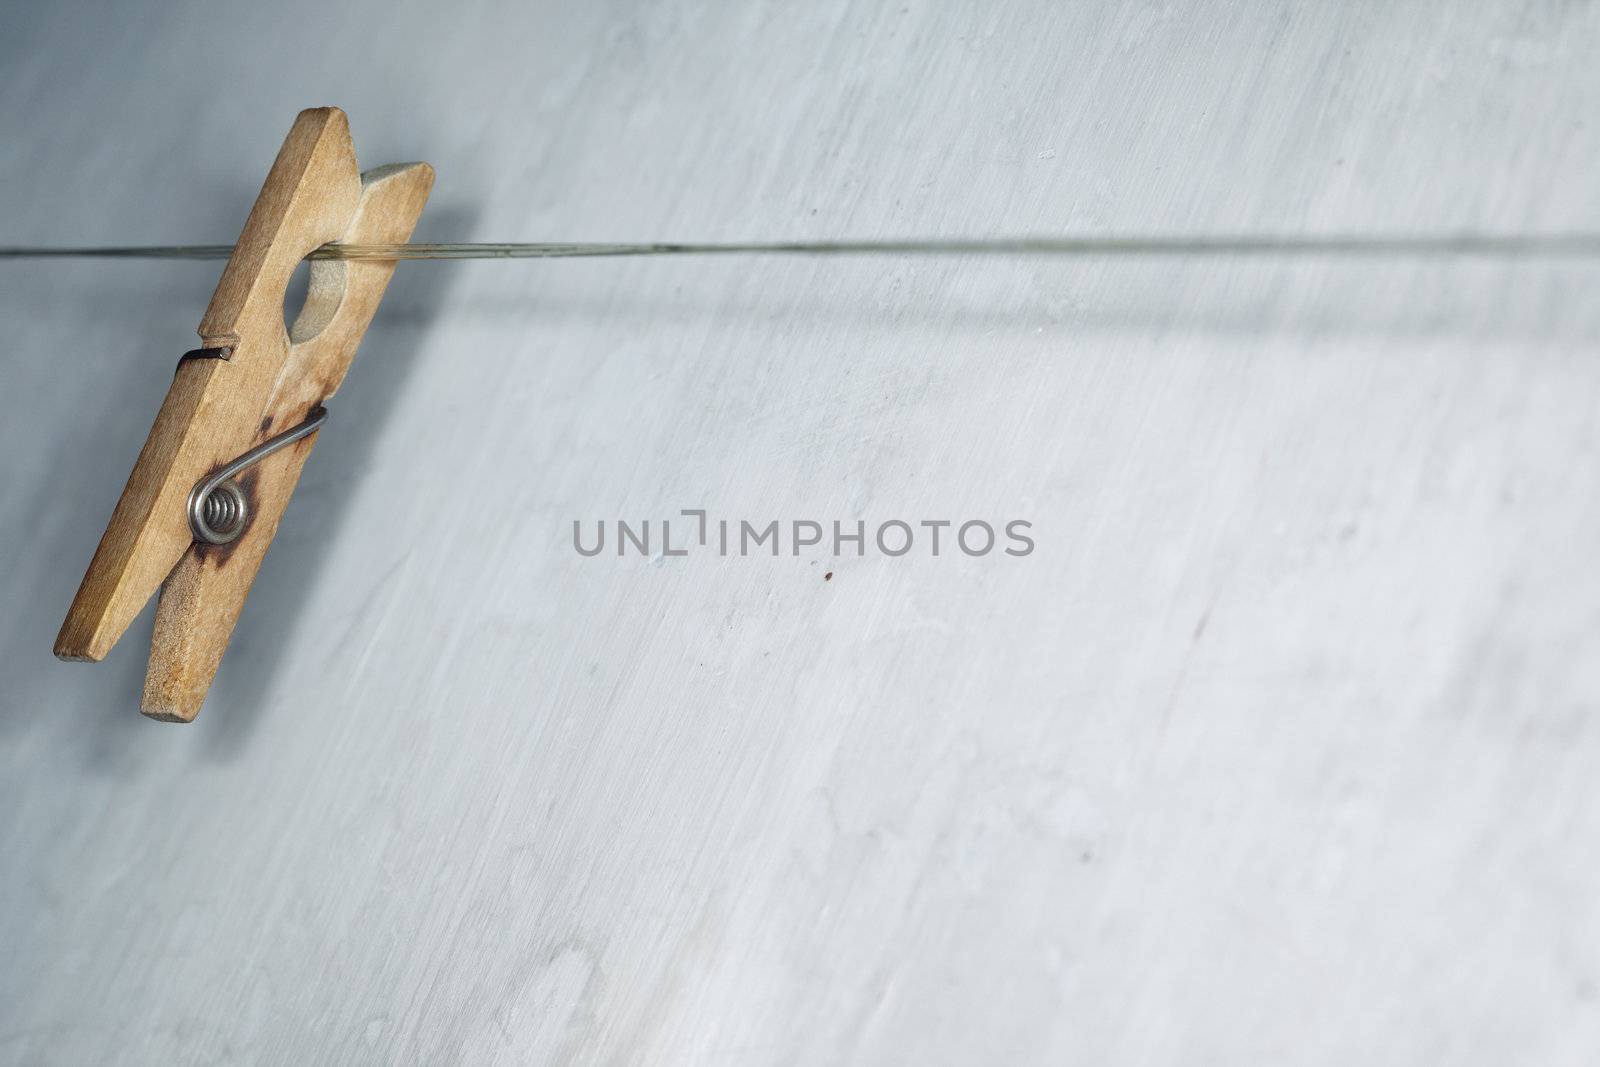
x: 217, y: 409
x: 1280, y: 748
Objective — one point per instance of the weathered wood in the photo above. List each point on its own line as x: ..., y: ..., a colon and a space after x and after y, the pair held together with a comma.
x: 217, y: 409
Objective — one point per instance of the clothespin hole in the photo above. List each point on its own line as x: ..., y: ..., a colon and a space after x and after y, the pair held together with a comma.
x: 312, y: 297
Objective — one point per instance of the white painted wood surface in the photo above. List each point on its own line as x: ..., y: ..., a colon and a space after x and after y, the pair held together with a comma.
x: 1280, y: 747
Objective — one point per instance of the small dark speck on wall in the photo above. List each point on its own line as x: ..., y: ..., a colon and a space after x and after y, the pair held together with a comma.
x: 828, y: 577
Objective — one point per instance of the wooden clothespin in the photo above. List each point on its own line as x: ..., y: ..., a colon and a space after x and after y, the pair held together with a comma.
x: 223, y: 457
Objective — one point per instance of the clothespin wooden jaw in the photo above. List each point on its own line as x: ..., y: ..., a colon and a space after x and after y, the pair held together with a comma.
x: 254, y: 382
